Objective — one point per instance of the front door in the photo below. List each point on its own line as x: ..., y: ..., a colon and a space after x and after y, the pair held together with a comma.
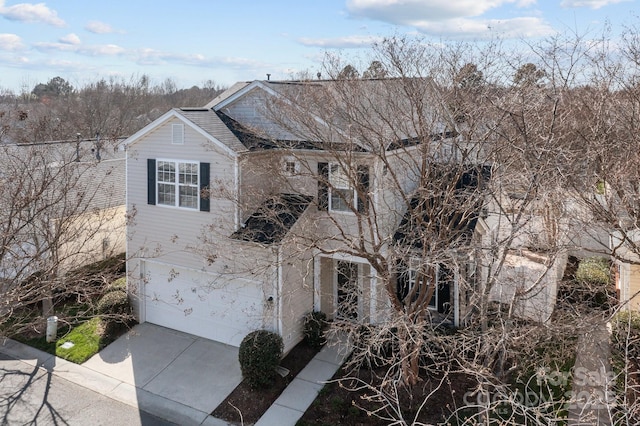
x: 347, y: 291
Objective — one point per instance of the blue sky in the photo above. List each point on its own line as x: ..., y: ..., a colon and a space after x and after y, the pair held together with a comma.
x: 193, y: 41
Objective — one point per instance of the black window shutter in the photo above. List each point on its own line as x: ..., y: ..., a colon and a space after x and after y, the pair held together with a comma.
x: 402, y: 284
x: 363, y: 189
x: 445, y: 278
x: 323, y: 187
x: 204, y: 188
x: 151, y: 181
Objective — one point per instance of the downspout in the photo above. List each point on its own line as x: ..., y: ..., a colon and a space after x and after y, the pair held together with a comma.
x: 278, y: 319
x: 316, y: 283
x: 456, y: 298
x: 236, y: 177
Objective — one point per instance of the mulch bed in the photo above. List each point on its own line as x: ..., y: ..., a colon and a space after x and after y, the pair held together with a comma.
x: 253, y: 403
x: 337, y: 405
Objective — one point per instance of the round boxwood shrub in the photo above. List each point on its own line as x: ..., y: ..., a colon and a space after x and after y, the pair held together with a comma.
x: 314, y: 327
x: 259, y: 356
x: 594, y: 270
x: 119, y: 284
x: 115, y: 302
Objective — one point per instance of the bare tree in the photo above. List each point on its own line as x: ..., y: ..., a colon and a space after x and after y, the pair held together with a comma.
x: 112, y: 108
x: 61, y: 209
x: 444, y: 186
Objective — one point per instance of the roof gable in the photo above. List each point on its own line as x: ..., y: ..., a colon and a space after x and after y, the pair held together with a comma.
x: 223, y: 101
x: 226, y: 94
x: 203, y: 121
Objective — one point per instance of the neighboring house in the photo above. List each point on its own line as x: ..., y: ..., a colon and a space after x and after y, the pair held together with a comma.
x: 627, y: 269
x: 229, y: 233
x: 69, y: 208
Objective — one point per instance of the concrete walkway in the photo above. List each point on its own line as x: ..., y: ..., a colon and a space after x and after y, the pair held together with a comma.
x: 592, y: 377
x: 303, y: 390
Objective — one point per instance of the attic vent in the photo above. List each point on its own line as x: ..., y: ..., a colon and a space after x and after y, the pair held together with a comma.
x: 178, y: 134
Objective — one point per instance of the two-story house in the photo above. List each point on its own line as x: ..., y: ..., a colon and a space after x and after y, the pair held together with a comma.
x: 256, y: 209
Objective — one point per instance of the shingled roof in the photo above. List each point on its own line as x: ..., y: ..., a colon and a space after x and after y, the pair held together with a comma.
x: 209, y: 121
x: 273, y: 219
x: 253, y: 141
x: 443, y: 218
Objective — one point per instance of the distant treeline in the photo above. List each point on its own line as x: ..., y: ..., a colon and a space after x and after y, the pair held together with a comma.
x: 112, y: 108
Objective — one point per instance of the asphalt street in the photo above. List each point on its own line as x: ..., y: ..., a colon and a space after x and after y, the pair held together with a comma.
x: 31, y: 395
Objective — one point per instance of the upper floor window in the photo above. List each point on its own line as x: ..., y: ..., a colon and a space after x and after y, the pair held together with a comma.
x: 290, y: 167
x: 342, y: 193
x: 343, y: 190
x: 178, y: 184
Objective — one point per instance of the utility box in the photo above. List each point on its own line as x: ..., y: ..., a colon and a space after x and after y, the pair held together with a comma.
x: 52, y: 329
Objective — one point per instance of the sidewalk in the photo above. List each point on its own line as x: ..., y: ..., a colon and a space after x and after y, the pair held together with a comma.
x: 108, y: 381
x: 31, y: 395
x: 591, y: 387
x: 287, y: 409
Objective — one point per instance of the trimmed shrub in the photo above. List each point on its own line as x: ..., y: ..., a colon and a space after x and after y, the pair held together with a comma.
x: 259, y: 355
x: 115, y: 302
x: 314, y: 327
x: 594, y: 270
x: 594, y: 284
x: 119, y: 284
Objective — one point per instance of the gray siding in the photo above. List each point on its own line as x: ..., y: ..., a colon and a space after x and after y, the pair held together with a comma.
x: 173, y: 235
x: 251, y: 112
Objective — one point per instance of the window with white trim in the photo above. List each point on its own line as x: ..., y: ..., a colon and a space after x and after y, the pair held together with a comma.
x: 342, y: 195
x: 291, y: 167
x: 421, y: 277
x: 178, y: 184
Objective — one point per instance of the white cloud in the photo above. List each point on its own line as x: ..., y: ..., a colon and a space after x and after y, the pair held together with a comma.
x: 98, y: 27
x: 70, y: 39
x: 453, y: 18
x: 340, y: 42
x: 487, y: 28
x: 10, y: 42
x: 148, y: 56
x: 592, y: 4
x: 29, y: 12
x: 102, y: 50
x: 406, y: 11
x: 88, y: 50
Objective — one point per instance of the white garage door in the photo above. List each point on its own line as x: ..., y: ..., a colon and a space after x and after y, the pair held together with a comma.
x: 204, y: 305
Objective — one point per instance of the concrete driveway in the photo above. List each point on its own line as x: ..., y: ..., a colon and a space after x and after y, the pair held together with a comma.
x: 173, y: 375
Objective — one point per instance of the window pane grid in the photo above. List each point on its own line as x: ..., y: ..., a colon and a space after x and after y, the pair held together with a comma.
x: 166, y: 172
x: 342, y: 194
x: 188, y: 173
x: 340, y: 199
x: 186, y: 186
x: 188, y: 197
x: 166, y: 194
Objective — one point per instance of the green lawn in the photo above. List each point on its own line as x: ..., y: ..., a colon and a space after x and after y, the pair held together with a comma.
x: 88, y: 338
